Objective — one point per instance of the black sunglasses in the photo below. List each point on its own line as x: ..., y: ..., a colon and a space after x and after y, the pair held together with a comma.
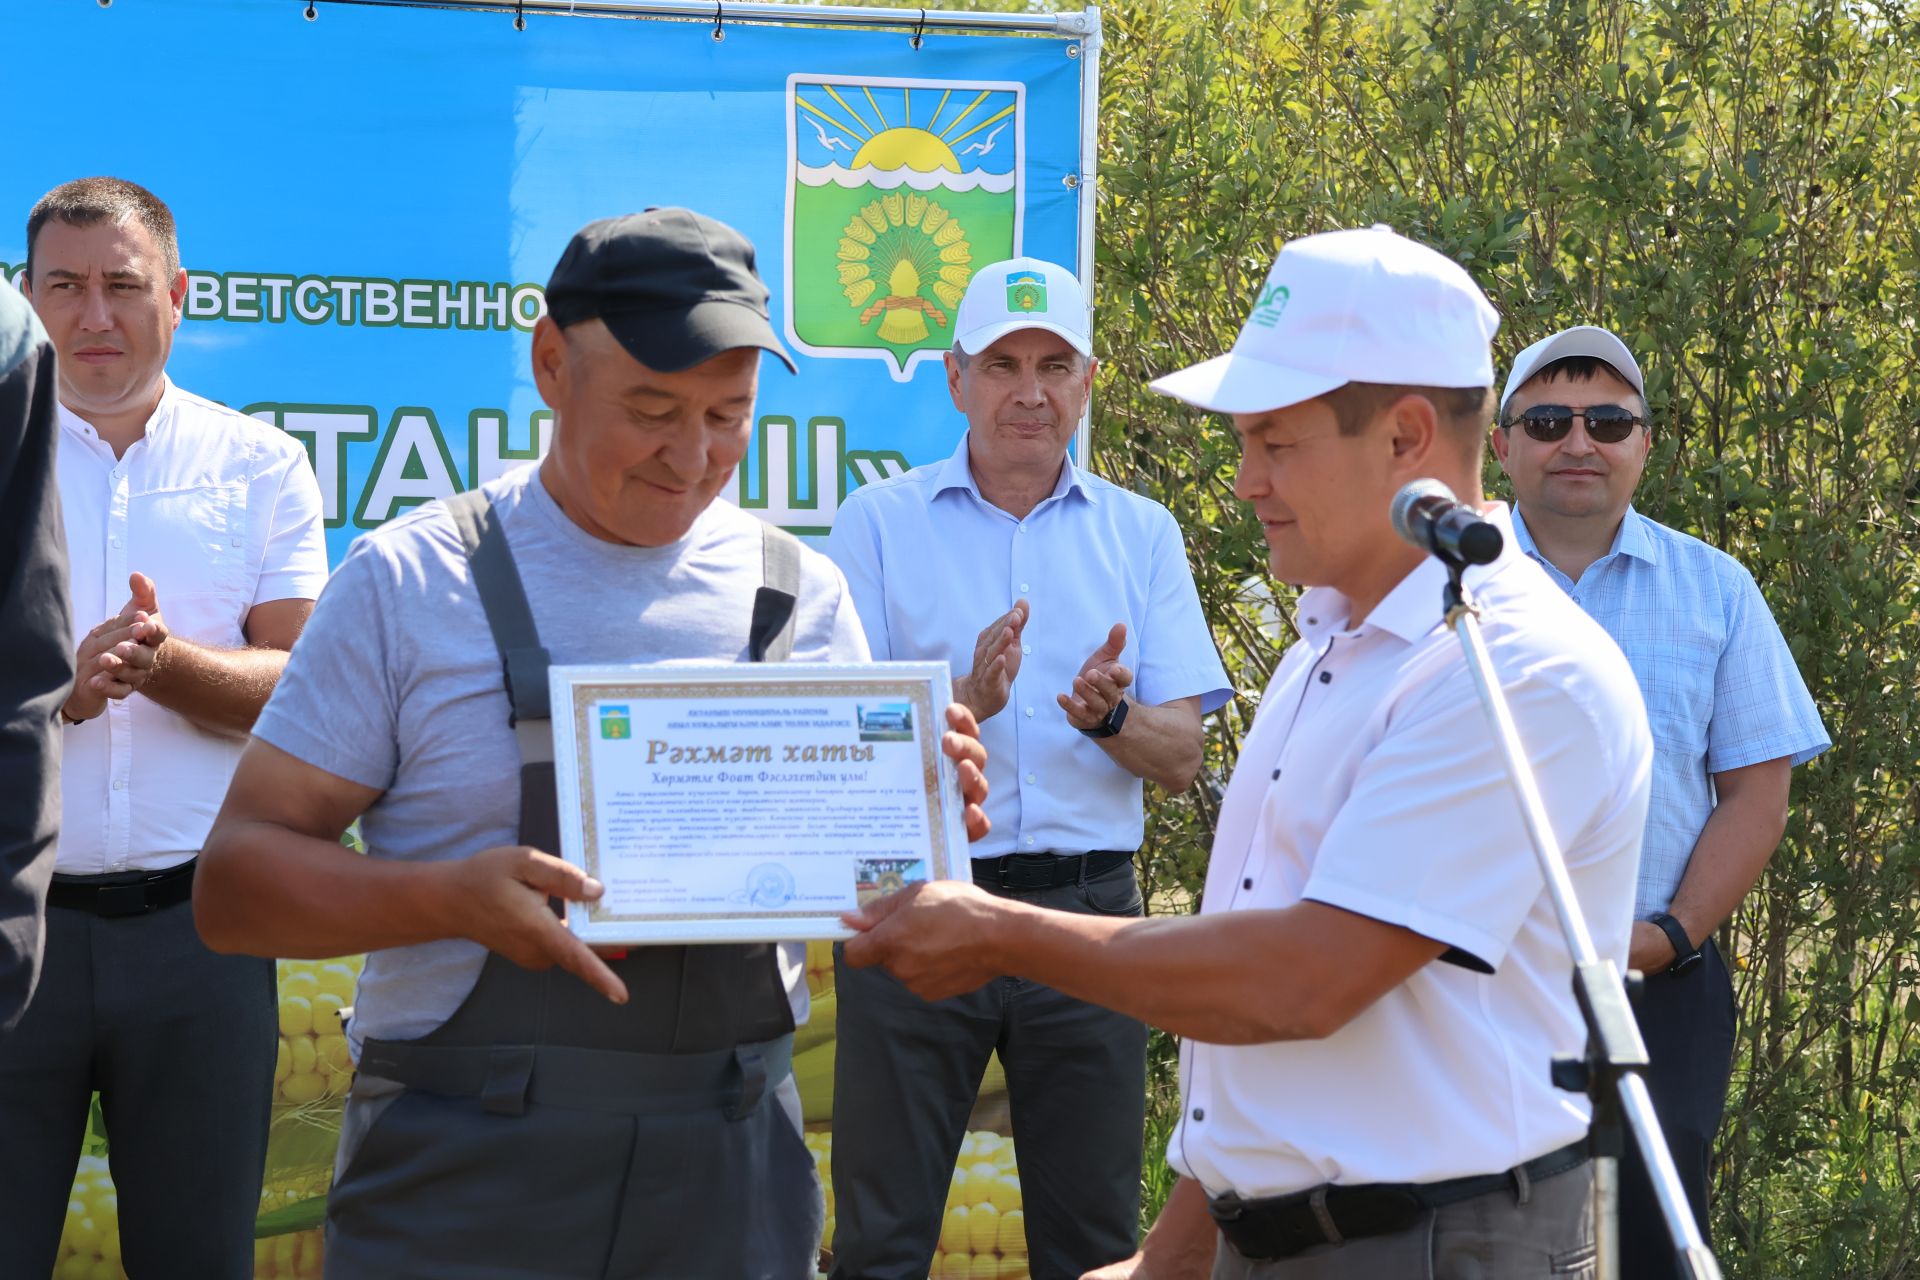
x: 1606, y: 423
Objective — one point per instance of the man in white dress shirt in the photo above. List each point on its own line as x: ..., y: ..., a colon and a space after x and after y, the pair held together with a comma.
x: 1372, y: 993
x: 167, y: 499
x: 1092, y: 672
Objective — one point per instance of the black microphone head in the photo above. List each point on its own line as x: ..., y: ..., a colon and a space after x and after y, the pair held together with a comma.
x: 1480, y: 542
x: 1410, y: 496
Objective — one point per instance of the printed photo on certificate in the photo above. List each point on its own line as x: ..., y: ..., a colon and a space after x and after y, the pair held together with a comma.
x: 750, y: 802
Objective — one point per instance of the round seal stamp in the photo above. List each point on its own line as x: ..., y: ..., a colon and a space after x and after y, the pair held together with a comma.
x: 770, y: 886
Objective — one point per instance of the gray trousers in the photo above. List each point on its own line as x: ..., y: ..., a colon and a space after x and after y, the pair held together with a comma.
x: 432, y: 1186
x: 180, y: 1044
x: 906, y: 1075
x: 1541, y: 1232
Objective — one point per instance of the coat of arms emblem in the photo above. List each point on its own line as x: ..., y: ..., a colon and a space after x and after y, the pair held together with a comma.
x: 897, y: 191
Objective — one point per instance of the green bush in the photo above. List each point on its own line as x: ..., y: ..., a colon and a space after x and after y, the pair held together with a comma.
x: 1729, y: 187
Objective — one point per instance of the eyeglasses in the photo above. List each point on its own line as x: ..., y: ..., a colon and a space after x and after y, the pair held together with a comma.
x: 1606, y: 423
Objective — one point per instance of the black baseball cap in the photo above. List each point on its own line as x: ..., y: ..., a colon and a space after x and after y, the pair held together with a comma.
x: 673, y: 286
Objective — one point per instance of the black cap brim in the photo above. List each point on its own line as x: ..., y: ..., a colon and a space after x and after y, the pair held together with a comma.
x: 670, y: 341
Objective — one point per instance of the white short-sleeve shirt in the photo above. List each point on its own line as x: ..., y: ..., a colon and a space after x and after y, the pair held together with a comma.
x: 223, y: 513
x: 931, y: 562
x: 1370, y: 781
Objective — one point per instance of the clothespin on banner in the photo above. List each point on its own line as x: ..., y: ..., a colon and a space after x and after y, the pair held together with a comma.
x: 919, y: 30
x: 719, y: 31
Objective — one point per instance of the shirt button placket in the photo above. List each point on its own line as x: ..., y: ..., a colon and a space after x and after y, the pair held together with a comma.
x: 119, y: 720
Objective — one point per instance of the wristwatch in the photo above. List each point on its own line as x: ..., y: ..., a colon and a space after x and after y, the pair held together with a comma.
x: 1111, y: 725
x: 1686, y: 956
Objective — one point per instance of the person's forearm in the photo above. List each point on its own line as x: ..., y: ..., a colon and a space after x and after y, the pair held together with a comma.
x: 1161, y: 744
x: 1183, y: 1240
x: 1249, y: 977
x: 221, y: 690
x: 261, y: 889
x: 1734, y: 846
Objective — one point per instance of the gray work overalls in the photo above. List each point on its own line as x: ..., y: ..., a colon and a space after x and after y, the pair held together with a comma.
x: 543, y: 1130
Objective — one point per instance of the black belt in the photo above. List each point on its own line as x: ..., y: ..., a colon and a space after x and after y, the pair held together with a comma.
x: 1045, y: 870
x: 123, y: 893
x: 1282, y: 1226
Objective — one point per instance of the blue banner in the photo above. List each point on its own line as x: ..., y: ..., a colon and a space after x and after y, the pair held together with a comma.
x: 370, y: 203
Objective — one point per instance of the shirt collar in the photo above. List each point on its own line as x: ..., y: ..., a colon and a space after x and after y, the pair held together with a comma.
x: 957, y: 473
x: 162, y: 414
x: 1633, y: 538
x: 1412, y: 608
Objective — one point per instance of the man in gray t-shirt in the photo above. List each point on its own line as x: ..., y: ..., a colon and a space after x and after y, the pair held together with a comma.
x: 396, y: 686
x: 524, y: 1106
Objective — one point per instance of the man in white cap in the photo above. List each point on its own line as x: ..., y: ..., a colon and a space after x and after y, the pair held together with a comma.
x: 1091, y: 673
x: 1729, y: 711
x: 1376, y: 983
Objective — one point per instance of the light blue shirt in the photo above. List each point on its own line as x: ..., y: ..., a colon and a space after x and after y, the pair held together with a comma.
x: 1721, y: 687
x: 931, y: 563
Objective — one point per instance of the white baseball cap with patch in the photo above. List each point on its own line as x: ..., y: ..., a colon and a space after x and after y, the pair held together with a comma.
x: 1581, y: 340
x: 1022, y: 293
x: 1348, y: 306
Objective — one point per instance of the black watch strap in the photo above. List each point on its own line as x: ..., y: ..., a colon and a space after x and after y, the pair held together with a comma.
x: 1685, y: 954
x: 1111, y: 725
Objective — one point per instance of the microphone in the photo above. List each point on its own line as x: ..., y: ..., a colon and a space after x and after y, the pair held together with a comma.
x: 1426, y: 513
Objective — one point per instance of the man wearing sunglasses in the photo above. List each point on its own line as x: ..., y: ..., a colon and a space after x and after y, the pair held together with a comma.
x: 1729, y: 711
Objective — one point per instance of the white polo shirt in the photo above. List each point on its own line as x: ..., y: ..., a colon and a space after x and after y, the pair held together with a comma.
x: 1370, y: 781
x: 223, y: 513
x: 931, y: 562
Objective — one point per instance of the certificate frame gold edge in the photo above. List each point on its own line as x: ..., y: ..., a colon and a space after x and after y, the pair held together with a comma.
x: 570, y: 688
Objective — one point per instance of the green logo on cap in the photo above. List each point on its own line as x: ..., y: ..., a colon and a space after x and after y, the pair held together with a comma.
x: 897, y: 191
x: 1272, y: 301
x: 1026, y: 292
x: 615, y: 722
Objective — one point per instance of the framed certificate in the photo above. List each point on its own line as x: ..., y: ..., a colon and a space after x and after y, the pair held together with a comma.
x: 746, y: 802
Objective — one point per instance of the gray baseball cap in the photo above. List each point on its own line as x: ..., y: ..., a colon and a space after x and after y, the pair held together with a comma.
x: 675, y: 288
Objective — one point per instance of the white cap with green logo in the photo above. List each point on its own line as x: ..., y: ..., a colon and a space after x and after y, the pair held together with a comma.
x: 1348, y: 306
x: 1022, y: 293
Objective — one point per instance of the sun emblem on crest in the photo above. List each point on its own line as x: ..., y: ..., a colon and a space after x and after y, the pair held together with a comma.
x: 906, y: 245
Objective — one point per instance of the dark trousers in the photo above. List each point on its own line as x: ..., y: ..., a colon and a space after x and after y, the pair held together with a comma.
x: 1542, y: 1230
x: 1688, y: 1025
x: 906, y: 1075
x: 180, y: 1044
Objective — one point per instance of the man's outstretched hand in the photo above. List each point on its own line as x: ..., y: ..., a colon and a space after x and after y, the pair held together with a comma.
x: 936, y: 937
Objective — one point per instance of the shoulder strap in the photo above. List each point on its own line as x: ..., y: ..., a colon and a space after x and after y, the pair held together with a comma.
x: 509, y: 617
x: 771, y: 637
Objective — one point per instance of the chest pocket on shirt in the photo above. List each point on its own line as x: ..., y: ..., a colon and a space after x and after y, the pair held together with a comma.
x: 193, y: 544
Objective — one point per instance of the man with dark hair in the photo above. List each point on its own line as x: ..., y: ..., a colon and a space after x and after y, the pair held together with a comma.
x: 523, y: 1106
x: 87, y: 202
x: 38, y: 672
x: 1376, y: 981
x: 167, y: 493
x: 1731, y: 718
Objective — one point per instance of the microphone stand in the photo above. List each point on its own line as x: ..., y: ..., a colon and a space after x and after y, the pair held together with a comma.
x: 1608, y: 1072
